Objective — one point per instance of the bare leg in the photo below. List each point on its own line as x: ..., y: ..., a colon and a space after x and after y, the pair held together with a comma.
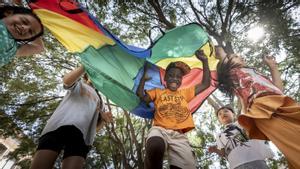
x: 73, y: 162
x: 155, y: 149
x: 44, y: 159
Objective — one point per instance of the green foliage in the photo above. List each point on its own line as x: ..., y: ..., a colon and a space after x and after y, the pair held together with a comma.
x: 31, y: 88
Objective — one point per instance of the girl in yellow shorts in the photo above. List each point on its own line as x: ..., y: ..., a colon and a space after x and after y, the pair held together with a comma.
x: 267, y: 113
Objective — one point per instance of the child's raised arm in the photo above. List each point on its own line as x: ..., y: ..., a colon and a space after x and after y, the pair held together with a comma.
x: 270, y: 61
x: 140, y: 90
x: 206, y: 73
x: 71, y: 77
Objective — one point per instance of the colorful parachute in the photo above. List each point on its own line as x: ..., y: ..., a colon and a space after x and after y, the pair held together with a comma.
x: 115, y: 68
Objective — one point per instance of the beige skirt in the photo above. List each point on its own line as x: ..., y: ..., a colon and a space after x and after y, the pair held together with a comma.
x: 275, y: 118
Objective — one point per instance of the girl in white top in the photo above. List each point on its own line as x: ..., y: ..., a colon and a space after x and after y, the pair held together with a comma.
x: 72, y: 127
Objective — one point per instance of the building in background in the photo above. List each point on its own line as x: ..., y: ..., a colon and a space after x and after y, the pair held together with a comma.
x: 7, y: 145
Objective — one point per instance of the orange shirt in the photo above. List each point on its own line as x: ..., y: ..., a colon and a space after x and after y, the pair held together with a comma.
x: 171, y: 108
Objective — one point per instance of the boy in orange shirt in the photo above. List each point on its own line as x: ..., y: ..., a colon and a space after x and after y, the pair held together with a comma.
x: 172, y: 118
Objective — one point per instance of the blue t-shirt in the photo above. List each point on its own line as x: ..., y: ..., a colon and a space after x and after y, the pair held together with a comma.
x: 8, y: 47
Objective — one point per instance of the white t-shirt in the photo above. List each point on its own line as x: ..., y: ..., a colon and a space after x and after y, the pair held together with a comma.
x: 78, y: 108
x: 238, y: 149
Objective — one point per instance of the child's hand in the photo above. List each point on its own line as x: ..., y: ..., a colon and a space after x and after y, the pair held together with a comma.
x: 107, y: 117
x: 146, y: 77
x: 270, y: 61
x: 220, y: 52
x: 147, y: 66
x: 212, y: 149
x: 200, y: 55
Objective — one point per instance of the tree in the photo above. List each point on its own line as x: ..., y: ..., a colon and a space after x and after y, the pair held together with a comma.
x: 31, y: 87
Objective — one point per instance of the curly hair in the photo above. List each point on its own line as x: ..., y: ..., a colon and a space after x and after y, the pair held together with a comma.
x: 180, y: 65
x: 25, y: 11
x: 225, y: 78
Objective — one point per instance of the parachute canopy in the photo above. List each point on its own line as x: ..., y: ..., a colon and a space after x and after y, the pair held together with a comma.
x: 114, y: 67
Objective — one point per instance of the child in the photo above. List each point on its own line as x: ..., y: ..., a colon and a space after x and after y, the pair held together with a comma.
x: 233, y: 144
x: 72, y: 127
x: 172, y: 117
x: 267, y: 113
x: 18, y: 27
